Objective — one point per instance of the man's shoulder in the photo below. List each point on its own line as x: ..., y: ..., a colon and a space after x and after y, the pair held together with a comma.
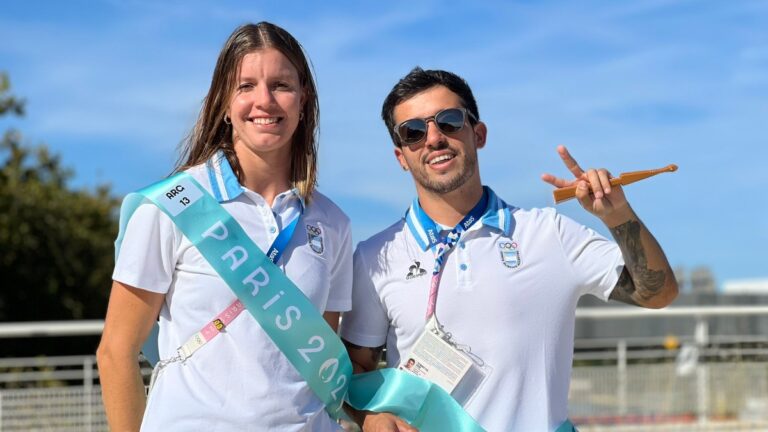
x: 534, y: 213
x: 539, y: 221
x: 520, y: 214
x: 543, y: 216
x: 527, y: 215
x: 382, y: 240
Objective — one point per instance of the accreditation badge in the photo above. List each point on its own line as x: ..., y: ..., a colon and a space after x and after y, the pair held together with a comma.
x: 437, y: 359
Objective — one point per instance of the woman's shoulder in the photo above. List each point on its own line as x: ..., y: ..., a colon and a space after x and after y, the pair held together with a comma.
x: 324, y: 208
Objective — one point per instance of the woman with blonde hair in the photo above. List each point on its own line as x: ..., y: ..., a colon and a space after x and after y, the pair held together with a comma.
x: 254, y: 150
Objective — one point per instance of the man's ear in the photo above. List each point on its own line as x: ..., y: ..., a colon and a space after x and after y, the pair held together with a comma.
x: 401, y: 158
x: 481, y: 133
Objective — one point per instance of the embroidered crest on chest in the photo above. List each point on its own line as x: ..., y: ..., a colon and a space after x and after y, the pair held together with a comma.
x: 315, y: 239
x: 510, y: 253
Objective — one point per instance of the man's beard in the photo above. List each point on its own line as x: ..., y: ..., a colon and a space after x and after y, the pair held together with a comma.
x: 447, y: 185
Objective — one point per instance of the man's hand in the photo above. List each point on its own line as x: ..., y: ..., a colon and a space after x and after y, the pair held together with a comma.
x: 386, y: 422
x: 366, y: 359
x: 647, y: 279
x: 603, y: 200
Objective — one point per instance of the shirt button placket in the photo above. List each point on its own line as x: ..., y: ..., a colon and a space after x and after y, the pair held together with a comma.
x: 464, y: 269
x: 270, y: 223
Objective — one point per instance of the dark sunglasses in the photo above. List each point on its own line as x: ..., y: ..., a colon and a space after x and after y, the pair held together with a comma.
x: 449, y: 121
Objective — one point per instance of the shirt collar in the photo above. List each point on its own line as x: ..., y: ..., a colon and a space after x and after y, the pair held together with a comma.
x: 224, y: 183
x: 497, y: 215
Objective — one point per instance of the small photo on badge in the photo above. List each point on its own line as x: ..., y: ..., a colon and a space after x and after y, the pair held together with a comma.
x: 408, y: 365
x: 415, y: 367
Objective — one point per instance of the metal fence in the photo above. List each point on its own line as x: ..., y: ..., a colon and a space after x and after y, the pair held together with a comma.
x: 658, y: 393
x: 704, y: 384
x: 74, y: 409
x: 697, y: 383
x: 50, y: 394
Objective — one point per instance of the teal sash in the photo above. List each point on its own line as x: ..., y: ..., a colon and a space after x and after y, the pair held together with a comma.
x: 566, y: 427
x: 289, y: 318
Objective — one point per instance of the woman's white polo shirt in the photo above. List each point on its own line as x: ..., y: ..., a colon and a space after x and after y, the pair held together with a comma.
x: 240, y: 380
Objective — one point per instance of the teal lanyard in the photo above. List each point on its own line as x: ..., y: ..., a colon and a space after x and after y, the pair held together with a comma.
x: 289, y: 318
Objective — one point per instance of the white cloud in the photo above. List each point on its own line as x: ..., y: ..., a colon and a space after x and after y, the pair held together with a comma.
x: 605, y: 78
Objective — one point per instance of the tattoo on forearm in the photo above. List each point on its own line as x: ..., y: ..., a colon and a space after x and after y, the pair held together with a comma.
x: 637, y: 283
x: 624, y: 289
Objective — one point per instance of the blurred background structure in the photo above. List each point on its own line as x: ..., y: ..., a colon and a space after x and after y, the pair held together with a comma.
x: 688, y: 368
x: 96, y: 95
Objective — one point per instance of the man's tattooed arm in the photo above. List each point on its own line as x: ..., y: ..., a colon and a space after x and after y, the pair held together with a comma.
x: 647, y: 279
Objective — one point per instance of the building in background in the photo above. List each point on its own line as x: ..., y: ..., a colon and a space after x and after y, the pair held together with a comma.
x: 745, y: 287
x: 698, y: 287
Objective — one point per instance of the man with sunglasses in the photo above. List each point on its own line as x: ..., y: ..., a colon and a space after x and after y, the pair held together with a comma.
x: 492, y: 317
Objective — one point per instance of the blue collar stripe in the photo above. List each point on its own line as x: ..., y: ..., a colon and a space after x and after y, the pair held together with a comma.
x: 503, y: 213
x: 428, y: 232
x: 214, y: 181
x: 415, y: 226
x: 231, y: 183
x: 507, y: 216
x: 224, y: 183
x: 496, y: 214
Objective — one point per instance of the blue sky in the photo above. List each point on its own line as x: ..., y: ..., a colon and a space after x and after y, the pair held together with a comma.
x: 113, y: 86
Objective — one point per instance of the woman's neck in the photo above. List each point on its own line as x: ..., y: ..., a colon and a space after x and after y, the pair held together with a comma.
x: 267, y: 175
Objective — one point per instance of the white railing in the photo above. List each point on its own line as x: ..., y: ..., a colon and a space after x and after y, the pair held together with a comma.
x: 59, y: 409
x: 750, y: 392
x: 51, y: 328
x: 683, y: 311
x: 73, y: 402
x: 630, y: 382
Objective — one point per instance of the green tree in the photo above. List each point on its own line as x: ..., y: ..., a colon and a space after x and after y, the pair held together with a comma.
x: 56, y: 243
x: 8, y: 103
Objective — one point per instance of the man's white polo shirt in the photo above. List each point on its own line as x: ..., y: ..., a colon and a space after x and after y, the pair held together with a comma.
x: 509, y: 291
x: 240, y: 380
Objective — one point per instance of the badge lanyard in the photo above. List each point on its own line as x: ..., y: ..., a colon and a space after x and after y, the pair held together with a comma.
x: 435, y: 352
x: 443, y: 246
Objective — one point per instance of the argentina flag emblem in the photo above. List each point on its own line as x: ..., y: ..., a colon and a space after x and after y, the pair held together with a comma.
x: 510, y: 254
x: 315, y: 239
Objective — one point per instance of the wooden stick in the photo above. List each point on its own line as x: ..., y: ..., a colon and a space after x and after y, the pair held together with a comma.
x: 566, y: 193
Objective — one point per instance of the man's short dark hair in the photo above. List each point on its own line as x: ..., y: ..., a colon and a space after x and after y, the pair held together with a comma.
x: 416, y: 82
